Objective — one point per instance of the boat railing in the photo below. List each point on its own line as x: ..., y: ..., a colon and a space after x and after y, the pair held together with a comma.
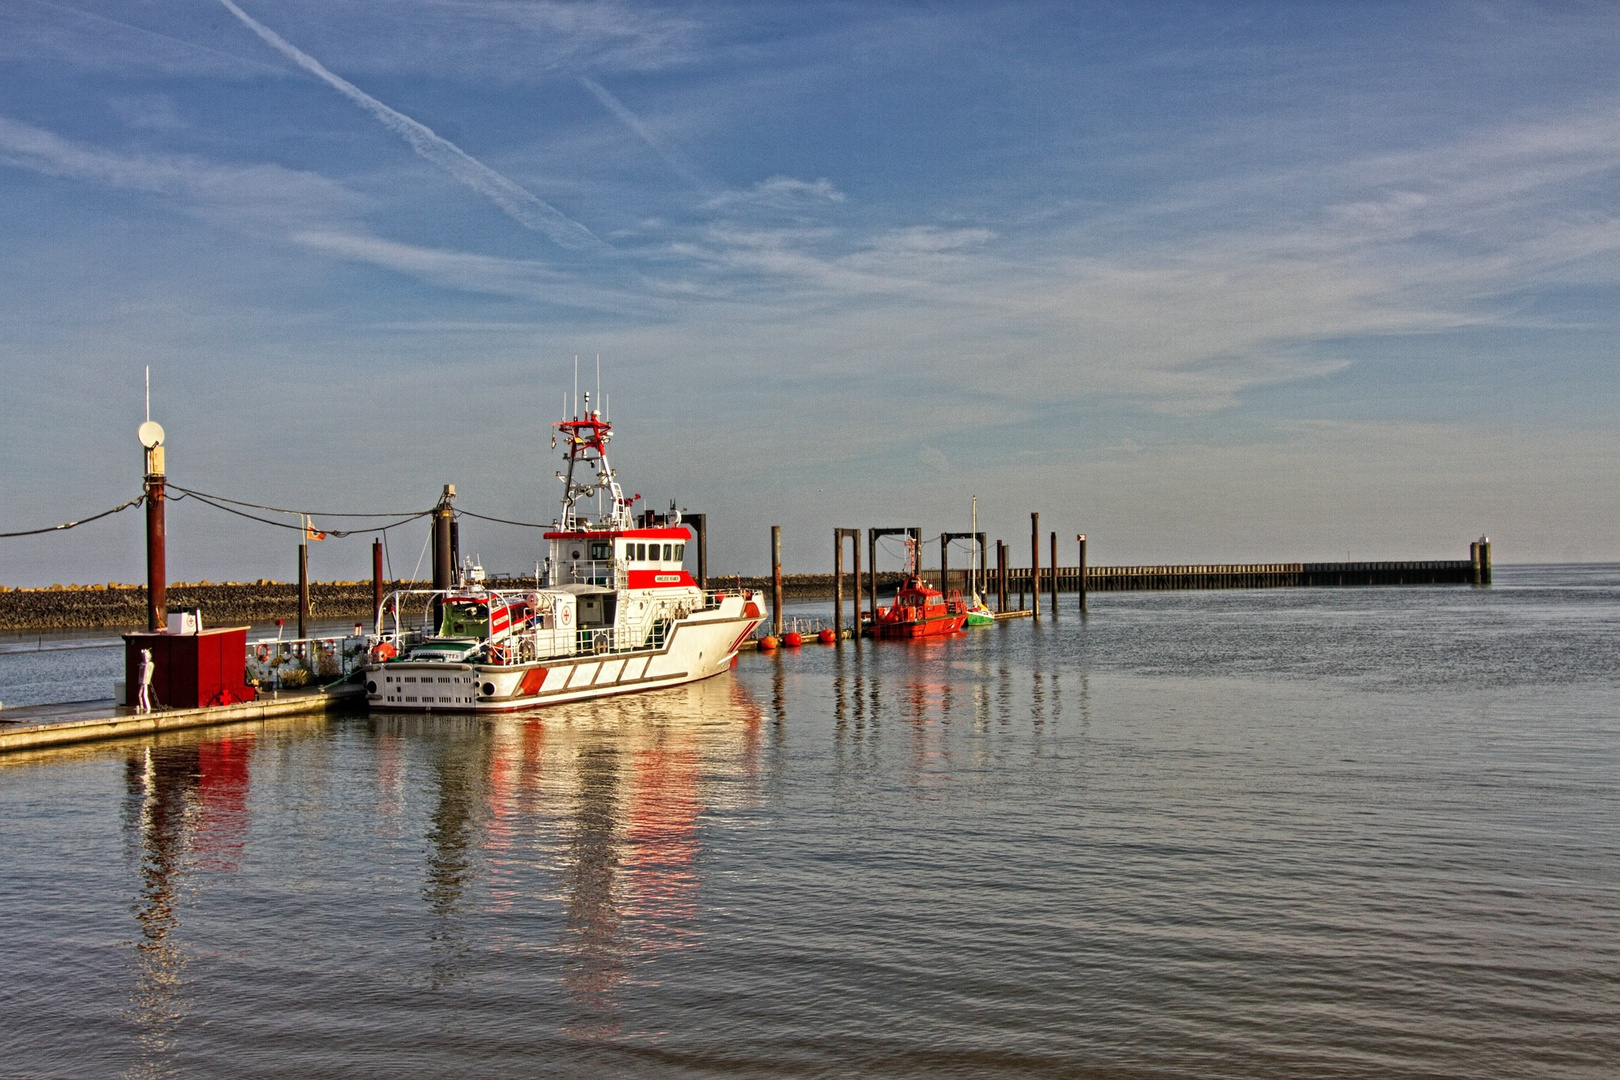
x: 607, y: 573
x: 288, y: 663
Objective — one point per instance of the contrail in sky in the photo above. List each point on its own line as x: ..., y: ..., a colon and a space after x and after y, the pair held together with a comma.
x: 522, y: 206
x: 677, y: 161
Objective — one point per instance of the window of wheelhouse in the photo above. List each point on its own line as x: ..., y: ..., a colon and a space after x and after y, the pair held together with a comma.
x: 601, y: 550
x: 464, y: 619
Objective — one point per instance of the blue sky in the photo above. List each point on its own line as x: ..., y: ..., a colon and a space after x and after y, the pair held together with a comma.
x: 1206, y: 281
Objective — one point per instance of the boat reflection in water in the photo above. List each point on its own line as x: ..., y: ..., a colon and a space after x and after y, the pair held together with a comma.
x: 593, y: 808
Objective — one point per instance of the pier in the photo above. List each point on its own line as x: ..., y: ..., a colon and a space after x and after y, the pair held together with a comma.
x: 37, y: 727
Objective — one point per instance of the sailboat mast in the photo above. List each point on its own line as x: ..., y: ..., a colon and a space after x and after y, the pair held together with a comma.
x: 973, y: 560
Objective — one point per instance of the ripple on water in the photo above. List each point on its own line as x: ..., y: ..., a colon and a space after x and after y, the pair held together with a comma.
x: 1341, y: 833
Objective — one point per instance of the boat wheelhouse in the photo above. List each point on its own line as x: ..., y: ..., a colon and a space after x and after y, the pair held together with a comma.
x: 613, y: 610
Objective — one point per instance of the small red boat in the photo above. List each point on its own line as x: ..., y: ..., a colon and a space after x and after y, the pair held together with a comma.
x: 919, y: 610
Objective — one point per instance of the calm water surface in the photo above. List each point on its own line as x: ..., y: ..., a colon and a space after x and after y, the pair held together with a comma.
x: 1294, y: 833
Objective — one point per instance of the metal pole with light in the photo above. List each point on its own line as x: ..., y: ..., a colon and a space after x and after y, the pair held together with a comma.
x: 157, y: 575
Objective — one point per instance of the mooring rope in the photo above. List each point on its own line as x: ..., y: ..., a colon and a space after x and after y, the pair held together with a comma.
x: 407, y: 515
x: 366, y: 530
x: 136, y: 501
x: 505, y: 521
x: 220, y: 502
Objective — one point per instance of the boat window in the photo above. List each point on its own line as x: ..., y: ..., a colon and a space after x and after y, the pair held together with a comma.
x: 641, y: 552
x: 600, y: 549
x: 669, y: 550
x: 465, y: 620
x: 680, y: 552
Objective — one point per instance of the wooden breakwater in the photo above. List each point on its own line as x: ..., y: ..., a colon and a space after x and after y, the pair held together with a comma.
x: 1247, y: 576
x: 233, y: 603
x: 1142, y: 578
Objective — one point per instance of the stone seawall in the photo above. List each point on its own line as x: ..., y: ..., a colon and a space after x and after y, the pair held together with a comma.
x: 229, y: 604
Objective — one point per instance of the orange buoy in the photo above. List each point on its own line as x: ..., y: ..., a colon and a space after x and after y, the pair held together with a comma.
x: 826, y: 637
x: 793, y: 639
x: 767, y: 644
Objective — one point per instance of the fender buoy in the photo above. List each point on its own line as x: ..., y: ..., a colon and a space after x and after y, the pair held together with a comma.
x: 767, y: 644
x: 826, y: 637
x: 793, y: 639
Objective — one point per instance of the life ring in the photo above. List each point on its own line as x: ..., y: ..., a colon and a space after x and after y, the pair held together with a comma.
x: 500, y: 654
x: 384, y: 652
x: 262, y: 653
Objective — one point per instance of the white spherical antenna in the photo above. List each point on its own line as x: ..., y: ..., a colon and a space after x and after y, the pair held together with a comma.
x: 150, y: 434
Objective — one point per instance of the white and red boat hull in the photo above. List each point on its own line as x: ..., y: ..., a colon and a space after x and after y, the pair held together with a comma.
x: 699, y: 646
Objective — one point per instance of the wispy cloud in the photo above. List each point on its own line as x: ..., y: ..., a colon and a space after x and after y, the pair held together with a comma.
x: 264, y: 200
x: 521, y: 205
x: 780, y: 193
x: 524, y: 279
x: 86, y: 39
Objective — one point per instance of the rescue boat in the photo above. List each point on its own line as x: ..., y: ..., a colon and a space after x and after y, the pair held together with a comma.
x: 614, y: 610
x: 919, y: 609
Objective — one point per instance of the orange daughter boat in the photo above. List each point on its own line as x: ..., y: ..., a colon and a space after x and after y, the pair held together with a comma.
x: 919, y: 609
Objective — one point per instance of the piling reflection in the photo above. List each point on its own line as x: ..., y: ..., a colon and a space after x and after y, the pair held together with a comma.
x: 958, y: 701
x: 185, y: 808
x: 460, y: 770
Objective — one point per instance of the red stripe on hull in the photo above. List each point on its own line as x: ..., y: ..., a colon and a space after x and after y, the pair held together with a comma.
x: 661, y: 579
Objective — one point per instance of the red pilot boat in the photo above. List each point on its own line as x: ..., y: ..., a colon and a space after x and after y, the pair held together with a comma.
x: 919, y: 609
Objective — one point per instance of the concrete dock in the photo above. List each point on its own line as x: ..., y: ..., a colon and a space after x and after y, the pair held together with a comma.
x: 35, y: 727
